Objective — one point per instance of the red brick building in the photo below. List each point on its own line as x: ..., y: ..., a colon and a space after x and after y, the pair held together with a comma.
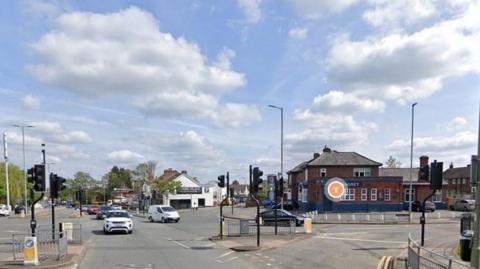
x: 458, y: 180
x: 367, y: 191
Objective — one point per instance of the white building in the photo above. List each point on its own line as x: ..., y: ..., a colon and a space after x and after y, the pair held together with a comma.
x: 218, y: 193
x: 192, y: 193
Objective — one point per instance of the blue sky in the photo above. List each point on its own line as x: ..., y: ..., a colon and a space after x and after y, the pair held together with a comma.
x: 188, y: 83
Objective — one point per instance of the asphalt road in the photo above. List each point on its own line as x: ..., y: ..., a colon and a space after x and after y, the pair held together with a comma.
x: 186, y: 245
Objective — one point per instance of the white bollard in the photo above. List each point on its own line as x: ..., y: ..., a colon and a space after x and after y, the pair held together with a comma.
x: 383, y: 218
x: 438, y: 215
x: 326, y: 217
x: 368, y: 217
x: 353, y: 217
x: 338, y: 217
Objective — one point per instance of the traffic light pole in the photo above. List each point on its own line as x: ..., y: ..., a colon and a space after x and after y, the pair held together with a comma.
x: 53, y: 184
x: 422, y: 218
x: 276, y: 205
x: 228, y: 190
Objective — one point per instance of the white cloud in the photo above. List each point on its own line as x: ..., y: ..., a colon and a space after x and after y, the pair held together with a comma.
x: 125, y: 156
x: 459, y: 141
x: 251, y: 9
x: 406, y: 67
x: 15, y: 138
x: 66, y: 151
x: 298, y: 33
x: 393, y: 13
x: 314, y: 9
x: 54, y: 131
x: 237, y: 115
x: 346, y: 102
x: 327, y: 129
x: 31, y: 102
x: 124, y: 53
x: 456, y: 124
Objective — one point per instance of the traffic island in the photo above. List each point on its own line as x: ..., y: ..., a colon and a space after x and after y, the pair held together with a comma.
x: 248, y: 243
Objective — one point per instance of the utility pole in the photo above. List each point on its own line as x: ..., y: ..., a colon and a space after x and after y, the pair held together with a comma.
x: 475, y: 257
x: 22, y: 127
x: 410, y: 189
x: 5, y: 154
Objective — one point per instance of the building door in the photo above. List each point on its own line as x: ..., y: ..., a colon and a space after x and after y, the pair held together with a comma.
x: 327, y: 203
x: 201, y: 202
x: 181, y: 204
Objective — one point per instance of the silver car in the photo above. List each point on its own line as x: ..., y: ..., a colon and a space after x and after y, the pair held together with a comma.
x: 464, y: 205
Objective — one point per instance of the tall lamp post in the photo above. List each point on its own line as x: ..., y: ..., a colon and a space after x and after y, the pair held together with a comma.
x: 23, y: 126
x: 475, y: 254
x: 410, y: 189
x: 281, y: 141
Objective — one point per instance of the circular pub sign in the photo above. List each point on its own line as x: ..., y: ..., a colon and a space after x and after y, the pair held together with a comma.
x: 335, y: 188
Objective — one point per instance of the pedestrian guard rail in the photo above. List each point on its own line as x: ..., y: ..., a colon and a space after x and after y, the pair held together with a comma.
x: 49, y: 247
x: 422, y: 258
x: 248, y: 227
x: 376, y: 217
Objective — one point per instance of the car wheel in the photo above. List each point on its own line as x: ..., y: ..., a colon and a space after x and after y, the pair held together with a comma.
x: 150, y: 219
x: 177, y: 220
x: 465, y: 209
x: 130, y: 232
x: 105, y: 231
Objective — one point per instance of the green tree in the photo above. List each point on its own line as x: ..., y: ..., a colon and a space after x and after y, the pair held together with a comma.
x: 393, y: 163
x: 16, y: 184
x: 262, y: 194
x: 118, y: 178
x: 167, y: 186
x: 235, y: 182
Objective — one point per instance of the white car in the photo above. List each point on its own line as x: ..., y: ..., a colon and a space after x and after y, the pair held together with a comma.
x: 162, y: 213
x: 4, y: 210
x: 118, y: 220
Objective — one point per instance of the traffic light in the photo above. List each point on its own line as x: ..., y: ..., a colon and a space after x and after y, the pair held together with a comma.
x: 257, y: 179
x: 437, y: 175
x: 221, y: 181
x: 280, y: 187
x: 57, y: 184
x: 38, y: 177
x: 31, y: 175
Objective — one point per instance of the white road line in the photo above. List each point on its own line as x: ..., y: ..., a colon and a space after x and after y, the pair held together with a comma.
x: 361, y: 240
x: 232, y: 258
x: 225, y: 254
x: 209, y: 245
x: 180, y: 244
x: 219, y: 261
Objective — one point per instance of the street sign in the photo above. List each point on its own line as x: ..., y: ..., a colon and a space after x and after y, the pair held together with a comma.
x: 30, y: 251
x: 335, y: 188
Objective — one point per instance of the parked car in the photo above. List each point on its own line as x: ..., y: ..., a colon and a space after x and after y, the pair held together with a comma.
x: 92, y: 210
x: 85, y: 208
x: 162, y: 213
x: 464, y: 205
x: 287, y: 205
x: 267, y: 203
x: 4, y: 210
x: 102, y: 211
x: 283, y: 217
x: 429, y: 206
x: 19, y: 209
x: 117, y: 207
x: 118, y: 220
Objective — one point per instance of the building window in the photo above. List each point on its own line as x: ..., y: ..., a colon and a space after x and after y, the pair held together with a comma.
x: 207, y: 190
x: 364, y: 195
x: 361, y: 172
x: 437, y: 197
x: 407, y: 195
x: 373, y: 194
x: 349, y: 195
x: 386, y: 194
x: 323, y: 172
x: 304, y: 195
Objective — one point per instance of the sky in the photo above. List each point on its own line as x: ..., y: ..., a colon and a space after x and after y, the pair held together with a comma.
x: 189, y: 83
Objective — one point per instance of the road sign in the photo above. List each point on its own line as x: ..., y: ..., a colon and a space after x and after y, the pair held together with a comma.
x: 30, y: 252
x: 335, y: 188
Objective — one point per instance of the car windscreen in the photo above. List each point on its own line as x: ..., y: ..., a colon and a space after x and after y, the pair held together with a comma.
x: 117, y: 215
x: 105, y: 208
x: 168, y: 209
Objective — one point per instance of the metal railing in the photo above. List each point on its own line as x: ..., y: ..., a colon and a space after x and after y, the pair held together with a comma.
x: 48, y: 247
x: 72, y: 231
x: 246, y: 227
x: 422, y: 258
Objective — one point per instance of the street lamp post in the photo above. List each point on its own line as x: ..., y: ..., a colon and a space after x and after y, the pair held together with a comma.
x: 410, y: 189
x: 281, y: 143
x: 22, y: 126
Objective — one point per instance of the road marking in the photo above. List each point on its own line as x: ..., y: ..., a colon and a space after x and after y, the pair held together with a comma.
x: 219, y: 261
x: 225, y: 254
x: 269, y: 264
x: 209, y: 245
x: 361, y: 240
x: 232, y: 258
x: 180, y: 244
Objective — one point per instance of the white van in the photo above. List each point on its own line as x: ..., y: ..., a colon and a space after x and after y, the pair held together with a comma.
x: 162, y: 213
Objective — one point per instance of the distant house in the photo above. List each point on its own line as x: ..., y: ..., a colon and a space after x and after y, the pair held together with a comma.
x: 218, y: 193
x: 459, y: 183
x: 191, y: 194
x: 239, y: 190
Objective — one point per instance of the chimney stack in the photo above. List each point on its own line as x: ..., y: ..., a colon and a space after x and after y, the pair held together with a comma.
x: 316, y: 155
x: 327, y: 149
x: 451, y: 166
x: 423, y: 161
